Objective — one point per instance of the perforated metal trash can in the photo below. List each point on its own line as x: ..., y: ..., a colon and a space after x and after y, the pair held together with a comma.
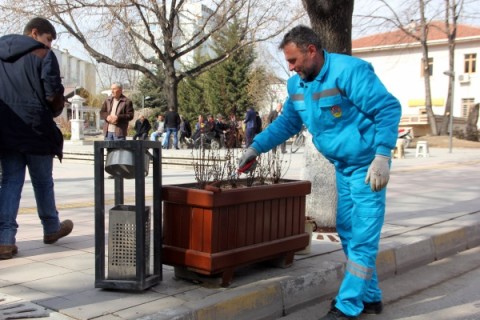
x: 122, y: 253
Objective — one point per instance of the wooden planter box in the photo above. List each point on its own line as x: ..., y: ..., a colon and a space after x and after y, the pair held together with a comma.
x: 214, y: 233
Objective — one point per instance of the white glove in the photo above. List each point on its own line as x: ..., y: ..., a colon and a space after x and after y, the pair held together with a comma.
x: 378, y: 173
x: 249, y: 155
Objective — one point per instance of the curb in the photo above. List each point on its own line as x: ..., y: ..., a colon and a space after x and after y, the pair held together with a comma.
x: 274, y: 298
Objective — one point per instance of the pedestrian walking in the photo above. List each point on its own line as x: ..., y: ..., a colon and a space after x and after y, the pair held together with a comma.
x: 31, y: 96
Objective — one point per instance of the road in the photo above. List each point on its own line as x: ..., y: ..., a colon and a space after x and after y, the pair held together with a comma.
x: 444, y: 290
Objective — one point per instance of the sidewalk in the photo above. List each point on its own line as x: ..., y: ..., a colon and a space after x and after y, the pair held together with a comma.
x: 433, y: 211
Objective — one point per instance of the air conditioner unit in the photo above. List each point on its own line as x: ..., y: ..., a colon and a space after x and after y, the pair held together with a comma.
x: 464, y: 78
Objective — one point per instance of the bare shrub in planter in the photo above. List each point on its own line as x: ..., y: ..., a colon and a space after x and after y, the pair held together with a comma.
x: 220, y: 223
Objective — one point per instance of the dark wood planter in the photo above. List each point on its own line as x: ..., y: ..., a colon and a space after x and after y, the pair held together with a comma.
x: 215, y: 232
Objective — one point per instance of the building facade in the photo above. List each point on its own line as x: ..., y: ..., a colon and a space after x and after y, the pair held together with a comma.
x: 397, y: 59
x: 76, y: 72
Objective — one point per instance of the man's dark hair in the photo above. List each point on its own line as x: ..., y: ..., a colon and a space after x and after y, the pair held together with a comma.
x: 42, y: 25
x: 302, y: 36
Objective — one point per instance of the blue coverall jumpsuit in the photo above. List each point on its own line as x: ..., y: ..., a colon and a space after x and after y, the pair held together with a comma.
x: 352, y: 118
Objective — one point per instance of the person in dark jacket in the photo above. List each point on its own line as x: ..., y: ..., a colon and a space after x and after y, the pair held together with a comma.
x: 31, y: 95
x: 250, y: 126
x: 271, y: 117
x: 142, y: 127
x: 172, y: 125
x: 117, y: 111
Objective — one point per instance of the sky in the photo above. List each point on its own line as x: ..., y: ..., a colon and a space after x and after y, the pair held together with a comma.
x: 362, y: 26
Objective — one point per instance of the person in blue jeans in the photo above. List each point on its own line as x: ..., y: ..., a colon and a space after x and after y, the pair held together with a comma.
x: 354, y: 121
x: 158, y: 128
x: 31, y: 96
x: 172, y: 125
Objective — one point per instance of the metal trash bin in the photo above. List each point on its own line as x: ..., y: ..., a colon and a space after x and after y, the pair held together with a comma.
x: 122, y: 252
x: 135, y: 222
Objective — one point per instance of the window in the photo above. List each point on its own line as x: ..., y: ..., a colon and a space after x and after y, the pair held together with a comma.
x: 467, y: 104
x: 430, y: 67
x: 470, y: 63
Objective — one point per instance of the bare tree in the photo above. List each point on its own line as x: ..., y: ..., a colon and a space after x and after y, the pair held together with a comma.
x: 412, y: 20
x: 452, y: 10
x: 157, y: 36
x: 422, y: 37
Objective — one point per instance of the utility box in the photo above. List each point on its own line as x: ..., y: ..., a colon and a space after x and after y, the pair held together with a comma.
x: 122, y: 246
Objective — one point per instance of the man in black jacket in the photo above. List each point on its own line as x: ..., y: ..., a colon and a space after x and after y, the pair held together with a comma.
x: 172, y: 125
x: 31, y: 96
x: 142, y: 127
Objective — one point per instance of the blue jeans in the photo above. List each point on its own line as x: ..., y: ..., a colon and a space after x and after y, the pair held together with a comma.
x: 166, y: 140
x: 40, y: 168
x: 112, y: 137
x: 155, y: 136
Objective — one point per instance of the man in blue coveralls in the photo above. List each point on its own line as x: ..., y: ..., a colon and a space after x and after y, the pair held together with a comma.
x: 353, y: 120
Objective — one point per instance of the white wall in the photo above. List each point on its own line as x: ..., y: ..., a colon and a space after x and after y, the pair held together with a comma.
x: 400, y: 71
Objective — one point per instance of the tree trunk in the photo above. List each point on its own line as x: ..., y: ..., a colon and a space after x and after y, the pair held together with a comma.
x: 171, y: 86
x: 426, y: 70
x: 472, y: 120
x: 451, y: 30
x: 332, y: 20
x: 322, y: 202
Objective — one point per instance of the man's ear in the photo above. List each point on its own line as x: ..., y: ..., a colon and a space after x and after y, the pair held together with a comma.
x: 34, y: 33
x: 311, y: 49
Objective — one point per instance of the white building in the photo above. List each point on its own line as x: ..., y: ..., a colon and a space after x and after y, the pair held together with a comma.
x: 397, y: 59
x: 76, y: 72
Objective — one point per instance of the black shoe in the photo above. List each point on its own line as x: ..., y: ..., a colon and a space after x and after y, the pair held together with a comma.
x: 335, y: 314
x: 373, y: 307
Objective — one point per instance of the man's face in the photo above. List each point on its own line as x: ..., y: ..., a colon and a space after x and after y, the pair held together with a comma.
x: 116, y: 91
x: 45, y: 38
x: 302, y: 62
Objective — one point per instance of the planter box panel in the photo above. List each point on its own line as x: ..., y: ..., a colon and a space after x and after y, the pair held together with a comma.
x: 187, y: 194
x: 267, y: 221
x: 259, y: 213
x: 250, y: 228
x: 212, y: 233
x: 274, y: 214
x: 179, y: 223
x: 216, y: 263
x: 233, y: 216
x: 199, y: 230
x: 282, y: 215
